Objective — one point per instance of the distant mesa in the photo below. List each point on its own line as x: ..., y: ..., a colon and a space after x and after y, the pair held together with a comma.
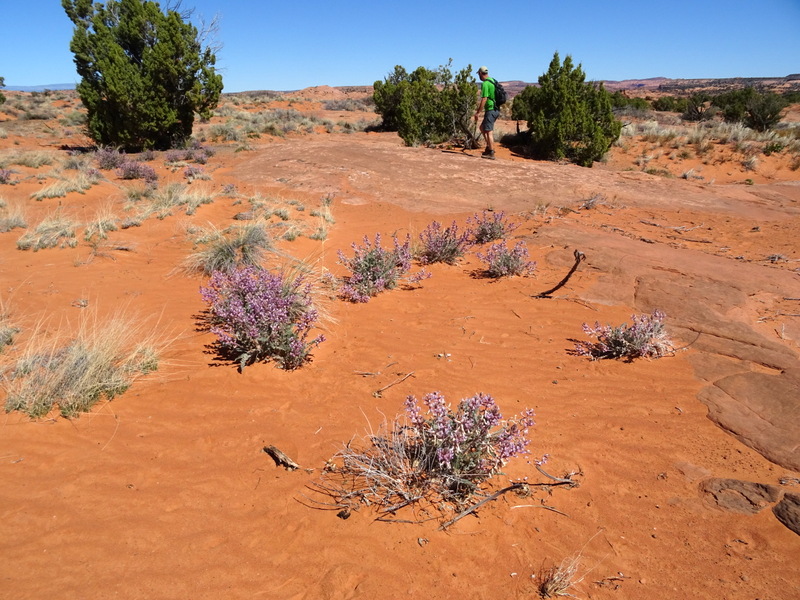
x: 40, y: 88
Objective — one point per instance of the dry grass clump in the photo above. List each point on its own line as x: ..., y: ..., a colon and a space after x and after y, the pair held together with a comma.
x: 227, y: 249
x: 161, y: 202
x: 557, y: 580
x: 12, y: 216
x: 60, y: 188
x: 33, y: 159
x: 54, y: 230
x: 101, y: 360
x: 7, y: 330
x: 104, y: 221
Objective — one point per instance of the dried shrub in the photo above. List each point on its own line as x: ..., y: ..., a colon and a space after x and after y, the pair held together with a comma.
x: 260, y: 316
x: 645, y: 338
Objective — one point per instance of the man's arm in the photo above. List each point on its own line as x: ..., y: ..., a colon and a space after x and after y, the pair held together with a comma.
x: 481, y: 105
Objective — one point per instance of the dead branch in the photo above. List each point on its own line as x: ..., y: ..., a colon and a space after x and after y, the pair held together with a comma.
x: 281, y: 460
x: 474, y: 507
x: 679, y: 228
x: 378, y: 393
x: 579, y: 257
x: 567, y: 480
x: 545, y: 506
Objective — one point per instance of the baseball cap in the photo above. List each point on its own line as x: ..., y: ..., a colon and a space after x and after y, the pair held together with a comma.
x: 483, y: 70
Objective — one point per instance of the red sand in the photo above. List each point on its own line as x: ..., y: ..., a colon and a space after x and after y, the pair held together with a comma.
x: 165, y: 492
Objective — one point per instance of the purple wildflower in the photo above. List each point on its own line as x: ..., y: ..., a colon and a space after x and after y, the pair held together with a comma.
x: 646, y: 337
x: 504, y: 262
x: 257, y: 315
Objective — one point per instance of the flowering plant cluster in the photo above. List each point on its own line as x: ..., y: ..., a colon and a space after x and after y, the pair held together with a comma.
x: 443, y: 245
x: 465, y: 446
x: 440, y: 456
x: 375, y: 269
x: 109, y: 158
x: 504, y: 262
x: 191, y: 173
x: 646, y: 337
x: 131, y: 169
x: 257, y: 315
x: 490, y: 226
x: 196, y: 153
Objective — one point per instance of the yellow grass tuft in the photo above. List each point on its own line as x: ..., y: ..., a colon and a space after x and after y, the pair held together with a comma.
x: 102, y: 359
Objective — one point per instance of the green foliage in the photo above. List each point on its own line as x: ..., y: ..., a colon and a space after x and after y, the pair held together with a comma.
x: 757, y: 110
x: 567, y: 117
x: 698, y: 107
x: 2, y: 85
x: 620, y: 100
x: 144, y: 73
x: 670, y: 104
x: 427, y: 106
x: 764, y: 111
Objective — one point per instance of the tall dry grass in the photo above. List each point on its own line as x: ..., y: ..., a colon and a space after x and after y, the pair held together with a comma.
x: 74, y: 370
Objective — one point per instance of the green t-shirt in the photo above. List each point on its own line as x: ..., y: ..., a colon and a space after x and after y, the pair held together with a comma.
x: 487, y: 91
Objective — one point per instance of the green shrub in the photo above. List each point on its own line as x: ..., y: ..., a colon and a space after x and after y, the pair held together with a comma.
x: 670, y: 104
x: 144, y: 73
x: 699, y: 108
x: 567, y: 117
x: 425, y: 106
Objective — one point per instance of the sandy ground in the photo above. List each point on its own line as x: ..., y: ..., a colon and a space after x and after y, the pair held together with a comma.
x: 165, y: 492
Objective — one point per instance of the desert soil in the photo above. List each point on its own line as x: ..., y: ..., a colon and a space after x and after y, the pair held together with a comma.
x: 165, y: 492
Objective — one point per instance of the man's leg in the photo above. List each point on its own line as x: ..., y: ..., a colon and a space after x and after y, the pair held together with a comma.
x: 487, y: 127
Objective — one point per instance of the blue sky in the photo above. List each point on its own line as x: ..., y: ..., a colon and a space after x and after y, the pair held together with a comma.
x: 302, y: 43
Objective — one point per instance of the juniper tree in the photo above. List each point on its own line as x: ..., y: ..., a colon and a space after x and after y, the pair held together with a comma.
x: 567, y: 117
x: 2, y: 85
x: 426, y: 106
x: 144, y: 73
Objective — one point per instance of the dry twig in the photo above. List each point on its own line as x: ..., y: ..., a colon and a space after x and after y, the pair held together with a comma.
x: 579, y: 257
x: 281, y: 460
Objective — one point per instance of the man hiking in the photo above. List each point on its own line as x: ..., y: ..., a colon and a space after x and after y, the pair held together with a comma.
x: 488, y: 107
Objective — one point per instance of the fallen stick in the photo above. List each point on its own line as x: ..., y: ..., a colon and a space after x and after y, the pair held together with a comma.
x: 377, y: 393
x: 555, y: 510
x: 281, y: 460
x: 475, y: 507
x: 579, y: 257
x: 558, y: 480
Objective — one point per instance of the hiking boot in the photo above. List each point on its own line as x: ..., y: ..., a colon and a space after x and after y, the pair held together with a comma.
x: 489, y: 155
x: 486, y: 151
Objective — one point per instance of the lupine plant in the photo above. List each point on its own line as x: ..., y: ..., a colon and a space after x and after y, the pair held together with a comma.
x: 443, y: 245
x: 439, y: 455
x: 375, y: 269
x: 502, y: 261
x: 132, y: 169
x: 109, y: 158
x: 258, y: 316
x: 490, y: 226
x: 645, y: 338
